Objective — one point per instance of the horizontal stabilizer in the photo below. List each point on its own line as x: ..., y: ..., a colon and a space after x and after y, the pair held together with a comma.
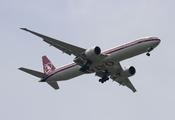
x: 54, y: 85
x: 33, y: 72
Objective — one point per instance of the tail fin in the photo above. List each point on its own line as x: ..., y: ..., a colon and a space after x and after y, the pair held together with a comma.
x: 48, y: 67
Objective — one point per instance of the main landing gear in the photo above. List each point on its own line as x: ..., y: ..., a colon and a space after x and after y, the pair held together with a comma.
x: 85, y: 66
x: 105, y: 77
x: 148, y: 51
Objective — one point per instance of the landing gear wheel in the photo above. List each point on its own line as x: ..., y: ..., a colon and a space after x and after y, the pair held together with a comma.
x: 103, y: 80
x: 148, y: 54
x: 104, y: 77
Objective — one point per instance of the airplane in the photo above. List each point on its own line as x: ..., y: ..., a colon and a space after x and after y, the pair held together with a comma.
x: 104, y: 64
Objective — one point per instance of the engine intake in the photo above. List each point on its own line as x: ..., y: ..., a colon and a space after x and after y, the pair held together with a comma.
x: 92, y: 52
x: 128, y: 72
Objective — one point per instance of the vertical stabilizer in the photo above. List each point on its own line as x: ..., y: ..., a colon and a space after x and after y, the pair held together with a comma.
x: 48, y: 67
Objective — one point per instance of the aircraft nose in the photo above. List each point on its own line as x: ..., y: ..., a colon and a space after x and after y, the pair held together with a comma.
x: 156, y: 42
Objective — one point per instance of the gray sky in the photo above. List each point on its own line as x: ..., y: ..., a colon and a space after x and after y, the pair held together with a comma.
x: 85, y: 24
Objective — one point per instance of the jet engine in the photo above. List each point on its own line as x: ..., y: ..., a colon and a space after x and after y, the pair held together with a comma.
x: 92, y: 52
x: 127, y: 72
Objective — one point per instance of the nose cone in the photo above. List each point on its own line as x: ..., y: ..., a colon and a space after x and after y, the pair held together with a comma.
x: 156, y: 42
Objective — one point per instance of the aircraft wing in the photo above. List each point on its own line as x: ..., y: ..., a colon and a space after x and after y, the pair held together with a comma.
x: 54, y: 85
x: 113, y: 73
x: 125, y: 82
x: 121, y: 80
x: 64, y: 47
x: 130, y: 85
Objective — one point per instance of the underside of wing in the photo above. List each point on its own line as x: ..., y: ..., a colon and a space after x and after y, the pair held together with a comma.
x: 125, y: 82
x: 114, y: 74
x: 130, y: 85
x: 122, y: 80
x: 64, y: 47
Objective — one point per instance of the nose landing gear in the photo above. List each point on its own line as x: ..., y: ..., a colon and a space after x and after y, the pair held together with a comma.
x: 148, y: 54
x: 148, y: 51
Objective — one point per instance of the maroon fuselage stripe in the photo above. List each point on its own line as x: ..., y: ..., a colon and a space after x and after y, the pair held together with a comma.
x: 128, y: 45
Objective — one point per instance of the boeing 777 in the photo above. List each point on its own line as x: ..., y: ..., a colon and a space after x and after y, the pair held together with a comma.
x: 104, y: 64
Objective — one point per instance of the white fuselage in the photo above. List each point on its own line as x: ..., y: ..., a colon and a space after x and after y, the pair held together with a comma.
x: 114, y: 56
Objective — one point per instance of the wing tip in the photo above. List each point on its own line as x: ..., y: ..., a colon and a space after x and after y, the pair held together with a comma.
x: 21, y: 68
x: 135, y: 91
x: 24, y: 28
x: 54, y: 85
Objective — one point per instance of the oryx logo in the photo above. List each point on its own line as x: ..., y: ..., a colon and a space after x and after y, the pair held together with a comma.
x: 48, y: 68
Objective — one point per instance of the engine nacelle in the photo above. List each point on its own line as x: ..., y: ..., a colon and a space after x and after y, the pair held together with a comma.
x: 128, y: 72
x: 92, y: 52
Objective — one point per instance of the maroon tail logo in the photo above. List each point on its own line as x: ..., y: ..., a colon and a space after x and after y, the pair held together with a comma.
x: 48, y: 67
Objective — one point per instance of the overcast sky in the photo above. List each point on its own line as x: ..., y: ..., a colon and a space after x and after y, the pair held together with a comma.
x: 86, y: 23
